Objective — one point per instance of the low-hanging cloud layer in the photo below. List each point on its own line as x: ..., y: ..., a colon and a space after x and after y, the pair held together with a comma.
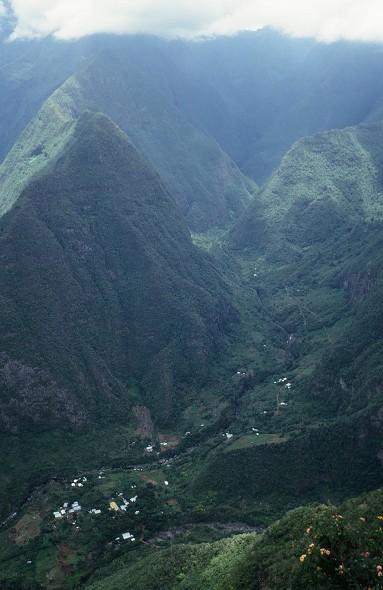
x: 326, y: 20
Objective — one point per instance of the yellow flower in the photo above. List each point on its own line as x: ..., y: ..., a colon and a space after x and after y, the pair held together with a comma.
x: 302, y: 558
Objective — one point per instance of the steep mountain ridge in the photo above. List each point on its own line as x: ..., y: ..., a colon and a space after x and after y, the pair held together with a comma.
x: 100, y: 283
x: 324, y: 183
x: 255, y: 94
x: 29, y: 72
x: 349, y: 533
x: 206, y: 184
x: 337, y: 85
x: 259, y: 92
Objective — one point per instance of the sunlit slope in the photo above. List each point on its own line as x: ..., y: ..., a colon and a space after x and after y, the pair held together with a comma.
x: 324, y: 182
x: 207, y: 185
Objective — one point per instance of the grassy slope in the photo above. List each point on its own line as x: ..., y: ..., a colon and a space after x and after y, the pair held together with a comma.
x: 335, y: 86
x: 190, y: 567
x: 321, y: 215
x: 350, y: 532
x: 29, y: 72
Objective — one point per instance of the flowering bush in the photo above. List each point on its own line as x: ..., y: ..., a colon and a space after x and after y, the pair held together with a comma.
x: 341, y: 552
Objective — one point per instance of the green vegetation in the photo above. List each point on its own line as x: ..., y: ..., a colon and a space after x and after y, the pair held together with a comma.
x: 300, y: 314
x: 67, y: 549
x: 183, y: 567
x: 177, y: 150
x: 248, y: 440
x: 226, y: 381
x: 325, y: 183
x: 318, y: 546
x: 38, y: 147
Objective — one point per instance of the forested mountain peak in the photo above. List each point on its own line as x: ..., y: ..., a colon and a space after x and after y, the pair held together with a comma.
x: 206, y: 184
x: 109, y: 285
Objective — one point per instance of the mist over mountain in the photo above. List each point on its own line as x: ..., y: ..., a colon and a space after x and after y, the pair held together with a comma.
x: 191, y: 287
x: 255, y: 93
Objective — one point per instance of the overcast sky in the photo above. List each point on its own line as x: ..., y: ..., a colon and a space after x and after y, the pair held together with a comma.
x: 327, y: 20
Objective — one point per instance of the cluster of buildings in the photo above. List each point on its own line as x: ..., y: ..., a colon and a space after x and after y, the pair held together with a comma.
x: 126, y: 537
x: 283, y: 382
x: 65, y: 510
x: 122, y: 507
x: 79, y: 483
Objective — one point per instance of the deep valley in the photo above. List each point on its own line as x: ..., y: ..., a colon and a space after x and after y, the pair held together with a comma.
x: 191, y: 288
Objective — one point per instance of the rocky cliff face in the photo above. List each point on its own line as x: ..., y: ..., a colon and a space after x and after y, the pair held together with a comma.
x: 358, y: 286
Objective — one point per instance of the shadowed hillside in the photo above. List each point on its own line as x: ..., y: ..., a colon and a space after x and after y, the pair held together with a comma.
x: 100, y: 283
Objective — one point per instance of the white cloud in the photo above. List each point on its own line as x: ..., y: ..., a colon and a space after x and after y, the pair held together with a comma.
x: 327, y: 20
x: 3, y: 10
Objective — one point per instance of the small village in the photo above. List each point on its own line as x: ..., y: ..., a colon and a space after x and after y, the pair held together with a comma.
x: 70, y: 511
x: 109, y: 512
